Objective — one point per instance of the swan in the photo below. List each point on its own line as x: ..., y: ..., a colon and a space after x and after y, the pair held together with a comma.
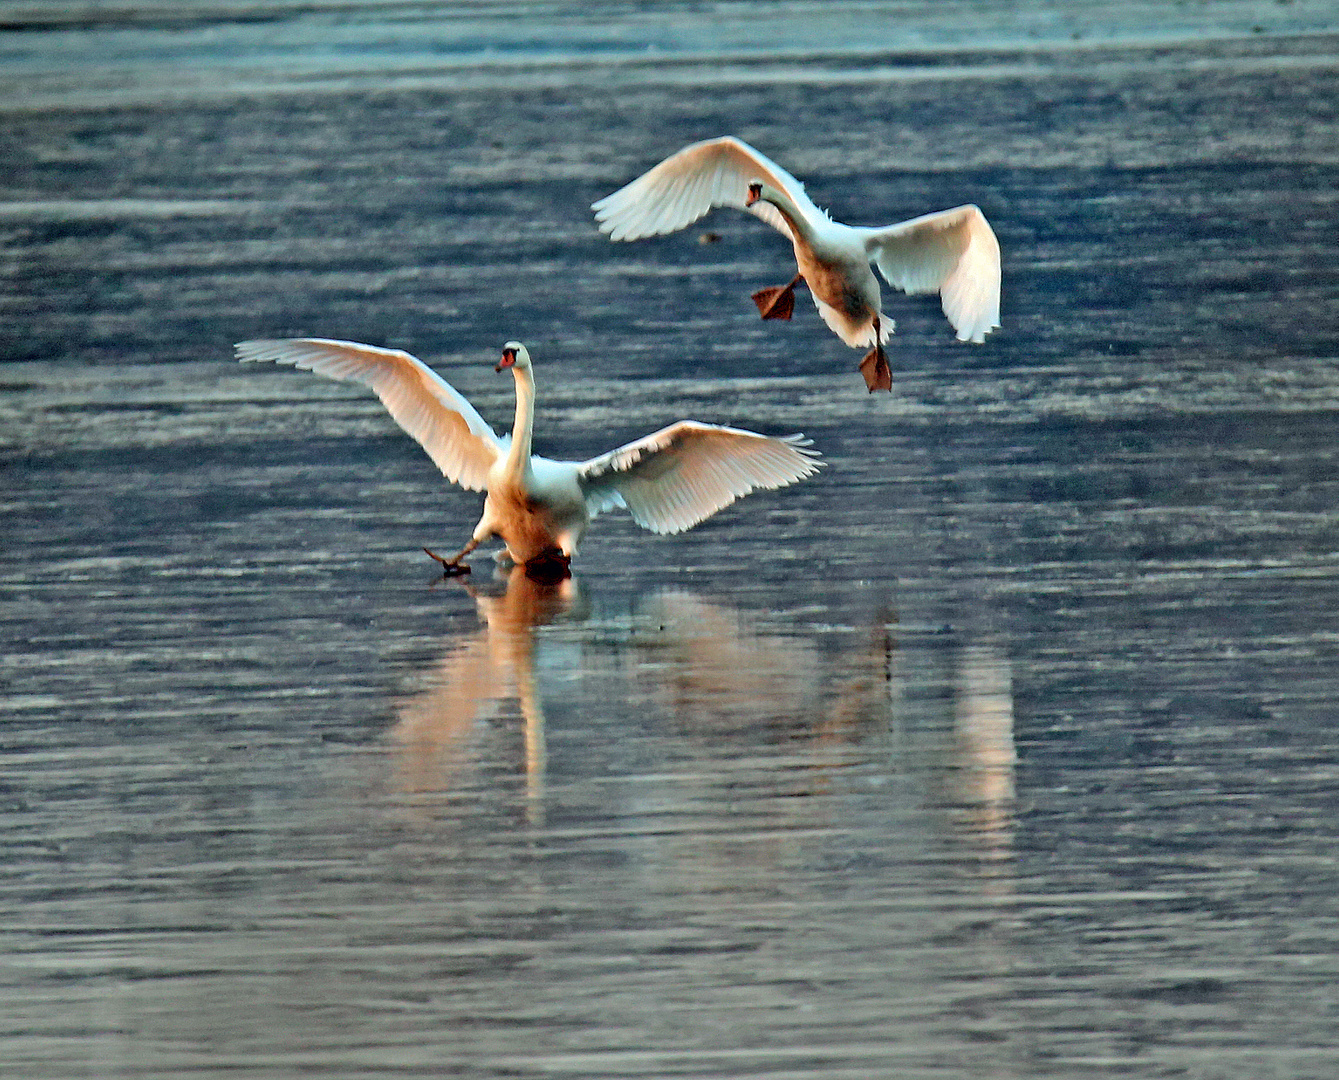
x: 952, y: 252
x: 669, y: 480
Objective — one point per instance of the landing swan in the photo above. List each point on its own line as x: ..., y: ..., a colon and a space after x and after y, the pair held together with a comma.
x: 669, y: 480
x: 952, y: 252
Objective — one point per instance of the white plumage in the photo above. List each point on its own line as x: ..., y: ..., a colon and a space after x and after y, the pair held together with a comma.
x: 952, y: 252
x: 669, y: 480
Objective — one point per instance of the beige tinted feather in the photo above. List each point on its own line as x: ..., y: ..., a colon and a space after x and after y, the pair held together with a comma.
x: 678, y: 476
x: 424, y: 404
x: 952, y: 252
x: 687, y: 184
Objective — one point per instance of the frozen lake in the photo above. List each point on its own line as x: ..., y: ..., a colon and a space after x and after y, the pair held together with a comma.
x: 1006, y: 747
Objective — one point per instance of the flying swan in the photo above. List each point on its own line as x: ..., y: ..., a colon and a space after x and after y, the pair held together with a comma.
x: 952, y: 252
x: 669, y: 481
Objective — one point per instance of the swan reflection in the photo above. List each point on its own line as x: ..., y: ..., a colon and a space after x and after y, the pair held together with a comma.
x: 729, y: 699
x: 437, y: 728
x: 704, y: 666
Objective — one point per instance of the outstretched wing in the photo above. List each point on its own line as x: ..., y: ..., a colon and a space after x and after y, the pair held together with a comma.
x: 683, y: 187
x: 429, y: 408
x: 682, y: 474
x: 953, y: 253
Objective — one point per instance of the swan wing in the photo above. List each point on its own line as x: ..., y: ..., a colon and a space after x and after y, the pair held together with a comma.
x: 683, y: 187
x: 674, y: 478
x: 954, y: 253
x: 429, y: 408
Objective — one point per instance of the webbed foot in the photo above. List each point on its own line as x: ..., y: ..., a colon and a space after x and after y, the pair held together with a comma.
x: 777, y: 302
x: 878, y: 375
x: 451, y: 567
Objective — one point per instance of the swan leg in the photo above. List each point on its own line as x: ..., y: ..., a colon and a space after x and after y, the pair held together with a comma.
x: 453, y: 567
x: 778, y: 302
x: 878, y: 375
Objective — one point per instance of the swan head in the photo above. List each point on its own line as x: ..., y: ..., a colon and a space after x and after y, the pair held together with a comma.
x: 759, y: 192
x: 514, y: 355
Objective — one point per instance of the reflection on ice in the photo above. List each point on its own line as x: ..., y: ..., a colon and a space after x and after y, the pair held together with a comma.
x: 734, y: 707
x: 704, y: 666
x: 738, y: 810
x: 436, y: 728
x: 984, y: 755
x: 717, y: 674
x: 714, y: 674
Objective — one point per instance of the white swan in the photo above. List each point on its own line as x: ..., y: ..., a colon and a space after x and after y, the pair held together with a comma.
x: 952, y: 252
x: 669, y: 481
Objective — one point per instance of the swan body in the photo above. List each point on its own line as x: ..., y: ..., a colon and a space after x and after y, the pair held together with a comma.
x: 951, y: 252
x: 669, y: 480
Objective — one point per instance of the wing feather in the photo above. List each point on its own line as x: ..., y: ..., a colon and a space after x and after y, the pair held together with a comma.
x: 424, y: 404
x: 687, y: 184
x: 678, y: 476
x: 952, y: 252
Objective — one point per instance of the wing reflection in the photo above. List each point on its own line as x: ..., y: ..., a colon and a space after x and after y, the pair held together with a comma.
x: 717, y: 674
x: 983, y: 757
x: 437, y: 728
x: 713, y: 674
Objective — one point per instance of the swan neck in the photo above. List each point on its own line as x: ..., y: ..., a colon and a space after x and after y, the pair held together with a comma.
x: 798, y: 223
x: 519, y: 457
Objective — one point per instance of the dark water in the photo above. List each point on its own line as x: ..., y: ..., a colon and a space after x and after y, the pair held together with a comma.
x: 1004, y: 748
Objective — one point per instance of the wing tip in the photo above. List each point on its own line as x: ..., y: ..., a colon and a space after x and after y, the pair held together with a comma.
x: 259, y: 350
x: 803, y: 445
x: 977, y: 336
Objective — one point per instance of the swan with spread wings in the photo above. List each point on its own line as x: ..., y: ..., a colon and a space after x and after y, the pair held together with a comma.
x: 951, y: 252
x: 668, y: 481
